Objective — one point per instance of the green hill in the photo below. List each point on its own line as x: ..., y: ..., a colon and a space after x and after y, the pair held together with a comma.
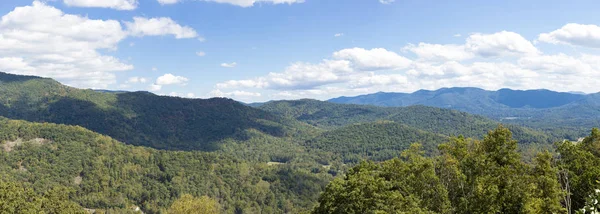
x: 378, y: 141
x: 436, y: 120
x: 98, y: 172
x: 137, y: 118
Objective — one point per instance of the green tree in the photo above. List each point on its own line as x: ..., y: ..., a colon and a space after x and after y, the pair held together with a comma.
x: 188, y: 204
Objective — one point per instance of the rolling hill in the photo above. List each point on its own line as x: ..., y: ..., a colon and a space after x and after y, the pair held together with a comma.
x: 446, y: 122
x: 137, y: 118
x: 565, y: 115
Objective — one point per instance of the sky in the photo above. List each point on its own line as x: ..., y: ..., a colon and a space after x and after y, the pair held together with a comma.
x: 260, y: 50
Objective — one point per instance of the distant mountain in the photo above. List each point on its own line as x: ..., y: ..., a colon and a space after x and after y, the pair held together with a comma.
x: 468, y: 99
x: 573, y: 113
x: 446, y: 122
x: 138, y: 118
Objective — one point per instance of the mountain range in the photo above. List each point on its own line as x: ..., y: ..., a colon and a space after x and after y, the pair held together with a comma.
x: 114, y: 149
x: 539, y: 109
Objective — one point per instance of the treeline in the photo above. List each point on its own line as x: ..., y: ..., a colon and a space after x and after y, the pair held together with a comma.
x: 473, y: 176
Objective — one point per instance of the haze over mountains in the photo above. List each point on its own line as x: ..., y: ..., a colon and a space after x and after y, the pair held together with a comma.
x: 542, y: 109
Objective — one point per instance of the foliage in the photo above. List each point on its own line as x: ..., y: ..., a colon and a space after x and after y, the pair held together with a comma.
x: 138, y: 118
x: 436, y: 120
x: 105, y: 174
x: 470, y: 176
x: 592, y: 204
x: 190, y: 204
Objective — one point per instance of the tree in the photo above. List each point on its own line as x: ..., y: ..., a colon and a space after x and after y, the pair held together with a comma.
x: 188, y: 204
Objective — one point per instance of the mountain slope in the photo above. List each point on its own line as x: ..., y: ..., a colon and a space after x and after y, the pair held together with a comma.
x: 138, y: 118
x: 436, y: 120
x: 378, y: 141
x: 98, y: 172
x: 468, y: 99
x: 565, y: 115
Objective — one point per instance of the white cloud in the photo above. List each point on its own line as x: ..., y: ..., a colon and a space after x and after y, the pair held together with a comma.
x: 503, y: 43
x: 163, y: 2
x: 114, y: 4
x: 155, y: 87
x: 241, y: 3
x: 200, y: 53
x: 574, y: 34
x: 158, y: 27
x: 437, y: 52
x: 488, y: 61
x: 154, y: 69
x: 136, y: 80
x: 170, y: 79
x: 338, y: 34
x: 373, y: 79
x: 229, y: 65
x: 184, y: 95
x: 374, y: 59
x: 234, y: 94
x: 386, y: 1
x: 41, y: 40
x: 457, y: 35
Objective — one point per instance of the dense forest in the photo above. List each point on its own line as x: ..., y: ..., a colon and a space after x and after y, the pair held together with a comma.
x: 473, y: 176
x: 69, y: 150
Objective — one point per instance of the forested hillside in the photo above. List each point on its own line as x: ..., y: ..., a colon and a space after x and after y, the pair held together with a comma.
x: 564, y: 115
x: 163, y: 154
x: 376, y: 141
x: 436, y: 120
x: 137, y: 118
x: 97, y: 172
x: 472, y: 176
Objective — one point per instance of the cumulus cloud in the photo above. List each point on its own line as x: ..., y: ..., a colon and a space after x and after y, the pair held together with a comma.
x: 155, y: 87
x: 503, y: 43
x: 163, y: 2
x: 229, y: 65
x: 297, y: 76
x: 574, y: 34
x: 141, y: 26
x: 489, y: 61
x: 234, y: 94
x: 241, y: 3
x: 386, y: 1
x: 136, y: 80
x: 200, y: 53
x: 184, y: 95
x: 41, y: 40
x: 374, y: 59
x: 373, y: 79
x: 437, y: 52
x: 114, y: 4
x: 338, y: 34
x: 170, y: 79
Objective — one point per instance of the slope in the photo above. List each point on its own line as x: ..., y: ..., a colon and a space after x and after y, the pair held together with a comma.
x: 138, y: 118
x: 377, y: 141
x: 98, y: 172
x: 436, y: 120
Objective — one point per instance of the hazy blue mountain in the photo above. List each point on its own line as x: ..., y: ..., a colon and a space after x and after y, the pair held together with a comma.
x: 468, y: 98
x: 446, y: 122
x: 572, y: 113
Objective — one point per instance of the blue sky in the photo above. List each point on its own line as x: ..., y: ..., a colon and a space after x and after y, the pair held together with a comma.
x: 288, y: 49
